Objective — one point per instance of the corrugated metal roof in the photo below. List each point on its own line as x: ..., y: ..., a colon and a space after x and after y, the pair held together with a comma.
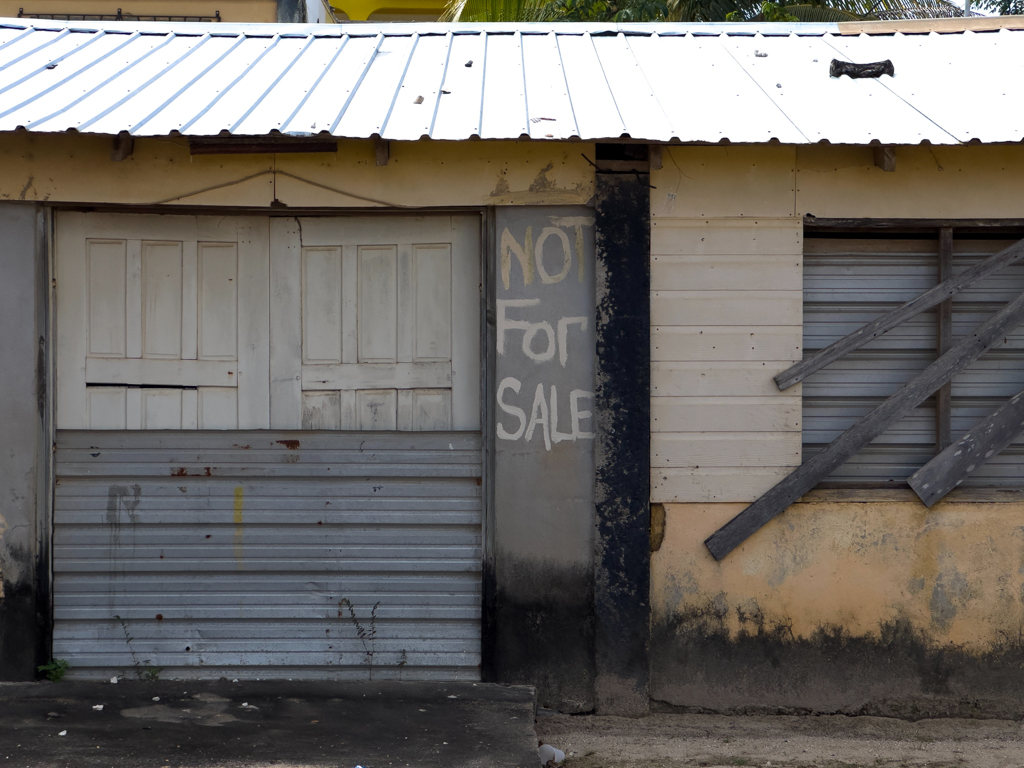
x: 744, y: 83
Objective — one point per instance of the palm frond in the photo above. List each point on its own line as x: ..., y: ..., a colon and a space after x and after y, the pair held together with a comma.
x: 710, y: 10
x: 821, y: 14
x: 492, y: 10
x: 898, y: 9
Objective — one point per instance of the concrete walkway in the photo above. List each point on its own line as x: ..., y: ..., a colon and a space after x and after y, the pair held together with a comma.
x: 222, y: 724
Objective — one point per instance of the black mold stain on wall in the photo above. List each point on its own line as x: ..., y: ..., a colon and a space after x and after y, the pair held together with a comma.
x: 24, y: 449
x: 622, y: 402
x: 900, y: 672
x: 544, y: 633
x: 22, y: 646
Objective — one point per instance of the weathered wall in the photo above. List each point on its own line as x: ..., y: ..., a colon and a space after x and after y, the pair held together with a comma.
x: 24, y: 612
x: 547, y: 556
x: 857, y: 606
x: 543, y: 509
x: 68, y: 168
x: 622, y: 564
x: 853, y: 601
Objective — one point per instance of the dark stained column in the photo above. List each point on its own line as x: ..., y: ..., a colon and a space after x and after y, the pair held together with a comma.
x: 24, y: 454
x: 622, y: 450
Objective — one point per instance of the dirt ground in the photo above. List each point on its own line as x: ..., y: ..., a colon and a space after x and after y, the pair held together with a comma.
x: 828, y: 741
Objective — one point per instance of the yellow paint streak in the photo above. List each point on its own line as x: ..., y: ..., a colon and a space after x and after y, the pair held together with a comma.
x: 239, y: 528
x: 955, y: 572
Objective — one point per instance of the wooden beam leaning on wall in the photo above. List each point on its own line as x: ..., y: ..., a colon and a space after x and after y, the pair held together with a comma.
x: 930, y: 298
x: 836, y: 453
x: 955, y: 464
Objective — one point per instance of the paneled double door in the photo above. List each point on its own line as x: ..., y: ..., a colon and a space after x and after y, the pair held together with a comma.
x: 253, y: 322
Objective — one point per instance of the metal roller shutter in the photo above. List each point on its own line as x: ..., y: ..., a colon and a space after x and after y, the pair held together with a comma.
x: 848, y: 281
x: 268, y: 554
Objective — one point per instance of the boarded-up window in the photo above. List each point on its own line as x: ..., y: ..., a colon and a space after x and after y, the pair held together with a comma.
x: 850, y: 278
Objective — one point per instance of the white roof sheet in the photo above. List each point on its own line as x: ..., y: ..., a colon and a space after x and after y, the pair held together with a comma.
x: 656, y: 82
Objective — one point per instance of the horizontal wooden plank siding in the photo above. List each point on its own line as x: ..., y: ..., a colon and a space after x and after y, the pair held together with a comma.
x: 719, y: 237
x: 725, y: 414
x: 716, y: 343
x: 749, y: 272
x: 719, y: 484
x: 726, y: 315
x: 712, y: 449
x: 743, y: 308
x: 698, y: 379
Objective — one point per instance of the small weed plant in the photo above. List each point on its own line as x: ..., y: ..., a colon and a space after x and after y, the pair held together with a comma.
x: 143, y: 670
x: 367, y: 635
x: 55, y: 669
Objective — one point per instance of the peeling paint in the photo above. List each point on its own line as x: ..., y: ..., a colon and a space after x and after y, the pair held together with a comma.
x: 28, y: 185
x: 542, y: 183
x: 842, y: 606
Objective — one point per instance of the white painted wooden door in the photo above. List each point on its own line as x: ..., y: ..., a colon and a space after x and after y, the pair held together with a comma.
x: 375, y: 323
x: 162, y: 322
x: 203, y: 322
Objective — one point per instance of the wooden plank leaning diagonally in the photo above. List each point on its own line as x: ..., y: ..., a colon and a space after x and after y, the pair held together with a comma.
x: 930, y: 298
x: 906, y: 398
x: 955, y: 464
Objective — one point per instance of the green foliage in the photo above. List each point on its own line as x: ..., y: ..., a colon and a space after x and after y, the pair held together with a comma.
x: 55, y: 669
x: 152, y: 673
x: 1002, y: 7
x: 775, y: 12
x: 822, y: 11
x: 578, y: 10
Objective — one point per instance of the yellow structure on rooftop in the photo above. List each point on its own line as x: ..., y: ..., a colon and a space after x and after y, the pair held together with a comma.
x: 388, y: 10
x: 237, y: 11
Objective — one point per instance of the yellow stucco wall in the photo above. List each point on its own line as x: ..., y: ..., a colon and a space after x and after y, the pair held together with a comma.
x: 855, y: 560
x: 68, y: 168
x: 230, y: 10
x: 849, y: 598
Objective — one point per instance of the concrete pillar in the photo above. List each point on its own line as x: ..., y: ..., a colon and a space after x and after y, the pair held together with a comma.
x: 623, y: 444
x: 24, y: 447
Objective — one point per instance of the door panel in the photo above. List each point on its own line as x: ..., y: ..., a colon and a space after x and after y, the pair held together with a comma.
x: 390, y: 329
x: 193, y: 322
x: 151, y: 309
